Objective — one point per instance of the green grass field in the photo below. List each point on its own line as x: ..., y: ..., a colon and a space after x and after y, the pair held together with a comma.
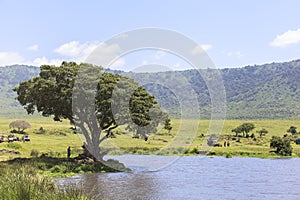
x: 55, y: 141
x: 187, y: 141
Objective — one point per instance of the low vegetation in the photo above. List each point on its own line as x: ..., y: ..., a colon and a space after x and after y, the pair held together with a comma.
x: 55, y: 138
x: 24, y: 182
x: 63, y: 167
x: 282, y: 145
x: 26, y: 166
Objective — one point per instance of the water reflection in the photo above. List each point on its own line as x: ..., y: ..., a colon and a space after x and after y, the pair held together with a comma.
x: 195, y: 177
x: 121, y: 186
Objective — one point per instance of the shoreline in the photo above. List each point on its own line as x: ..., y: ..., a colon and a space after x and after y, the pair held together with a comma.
x: 63, y: 167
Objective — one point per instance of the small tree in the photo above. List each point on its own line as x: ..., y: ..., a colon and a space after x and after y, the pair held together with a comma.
x: 282, y: 145
x: 292, y: 130
x: 237, y: 131
x: 168, y: 125
x: 245, y: 128
x: 21, y: 125
x: 262, y: 132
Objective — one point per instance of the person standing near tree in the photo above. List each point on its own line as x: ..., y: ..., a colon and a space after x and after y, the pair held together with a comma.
x: 69, y: 151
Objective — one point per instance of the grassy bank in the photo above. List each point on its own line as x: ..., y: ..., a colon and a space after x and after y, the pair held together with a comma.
x: 58, y: 136
x: 25, y: 183
x: 64, y: 167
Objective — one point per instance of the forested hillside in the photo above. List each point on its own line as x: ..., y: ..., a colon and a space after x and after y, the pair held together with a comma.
x: 253, y: 92
x: 10, y: 77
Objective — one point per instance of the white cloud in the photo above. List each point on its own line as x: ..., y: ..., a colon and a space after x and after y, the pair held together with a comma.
x: 92, y: 52
x: 76, y: 50
x: 33, y: 48
x: 45, y: 61
x: 287, y: 38
x: 107, y: 55
x: 199, y: 49
x: 237, y: 54
x: 10, y: 58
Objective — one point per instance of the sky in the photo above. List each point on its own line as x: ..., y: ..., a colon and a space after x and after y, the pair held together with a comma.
x: 233, y: 33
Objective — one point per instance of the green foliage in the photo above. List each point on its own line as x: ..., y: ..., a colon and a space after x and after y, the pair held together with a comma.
x: 228, y: 155
x: 168, y: 125
x: 292, y: 130
x: 21, y: 125
x: 10, y: 77
x: 14, y: 145
x: 101, y: 101
x: 62, y: 167
x: 244, y: 128
x: 51, y: 92
x: 34, y: 153
x: 41, y: 130
x: 24, y: 183
x: 282, y: 145
x: 262, y: 132
x: 267, y: 91
x: 194, y: 151
x: 237, y: 130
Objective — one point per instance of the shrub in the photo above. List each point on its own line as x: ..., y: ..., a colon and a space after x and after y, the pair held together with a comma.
x: 282, y: 145
x: 228, y: 155
x: 13, y: 145
x: 41, y: 131
x: 34, y: 153
x: 194, y: 151
x: 25, y: 183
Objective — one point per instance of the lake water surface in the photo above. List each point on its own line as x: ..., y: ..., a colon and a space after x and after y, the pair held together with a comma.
x: 195, y: 177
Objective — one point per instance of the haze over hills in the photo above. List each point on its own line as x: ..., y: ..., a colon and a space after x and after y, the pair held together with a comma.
x: 11, y: 76
x: 269, y: 91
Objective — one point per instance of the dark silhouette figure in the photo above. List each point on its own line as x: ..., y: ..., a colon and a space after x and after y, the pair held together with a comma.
x: 228, y: 144
x: 225, y: 144
x: 69, y: 152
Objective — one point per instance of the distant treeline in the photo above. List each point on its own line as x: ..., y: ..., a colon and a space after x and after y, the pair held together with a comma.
x: 269, y: 91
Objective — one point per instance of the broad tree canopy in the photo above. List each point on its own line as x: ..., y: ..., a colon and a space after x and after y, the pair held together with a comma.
x: 21, y: 125
x: 117, y: 100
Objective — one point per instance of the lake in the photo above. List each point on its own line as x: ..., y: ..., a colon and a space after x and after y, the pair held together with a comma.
x: 195, y: 177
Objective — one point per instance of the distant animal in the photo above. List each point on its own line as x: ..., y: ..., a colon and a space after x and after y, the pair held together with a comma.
x: 218, y: 145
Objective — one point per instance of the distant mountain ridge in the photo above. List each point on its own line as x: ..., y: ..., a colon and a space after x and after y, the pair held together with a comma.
x: 11, y: 76
x: 269, y: 91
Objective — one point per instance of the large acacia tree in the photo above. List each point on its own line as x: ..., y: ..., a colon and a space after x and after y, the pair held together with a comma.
x: 93, y: 100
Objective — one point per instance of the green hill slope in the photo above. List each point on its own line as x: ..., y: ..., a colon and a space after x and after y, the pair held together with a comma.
x: 269, y: 91
x: 10, y: 77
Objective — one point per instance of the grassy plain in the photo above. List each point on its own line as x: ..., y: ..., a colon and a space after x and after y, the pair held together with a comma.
x: 187, y: 141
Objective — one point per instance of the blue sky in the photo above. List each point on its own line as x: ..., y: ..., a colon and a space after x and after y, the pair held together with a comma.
x: 233, y: 33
